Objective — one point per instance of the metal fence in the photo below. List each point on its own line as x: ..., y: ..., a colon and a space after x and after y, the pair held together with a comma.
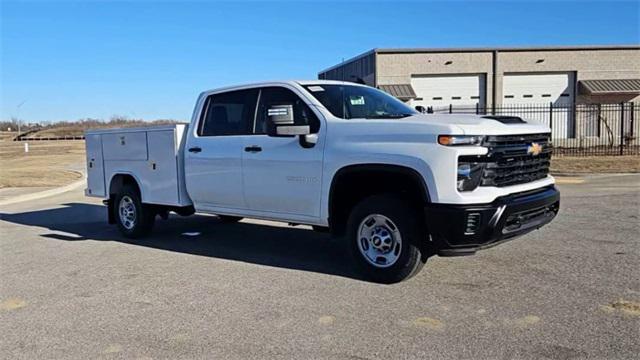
x: 576, y: 129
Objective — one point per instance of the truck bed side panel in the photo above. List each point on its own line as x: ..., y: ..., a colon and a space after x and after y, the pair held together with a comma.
x: 152, y: 156
x: 161, y: 180
x: 95, y: 166
x: 125, y: 146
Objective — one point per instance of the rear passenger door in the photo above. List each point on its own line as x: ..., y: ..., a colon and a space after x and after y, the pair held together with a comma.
x: 213, y: 157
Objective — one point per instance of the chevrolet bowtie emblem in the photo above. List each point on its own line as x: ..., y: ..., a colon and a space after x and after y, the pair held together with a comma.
x: 534, y: 149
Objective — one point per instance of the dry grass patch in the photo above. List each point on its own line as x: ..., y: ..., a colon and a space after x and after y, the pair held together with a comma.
x: 46, y: 164
x: 596, y: 164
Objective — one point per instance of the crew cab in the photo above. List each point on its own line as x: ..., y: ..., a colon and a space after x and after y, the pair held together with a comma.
x: 396, y: 185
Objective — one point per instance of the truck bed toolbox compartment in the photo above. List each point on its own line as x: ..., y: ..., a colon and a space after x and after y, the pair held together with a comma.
x: 151, y: 155
x: 125, y: 146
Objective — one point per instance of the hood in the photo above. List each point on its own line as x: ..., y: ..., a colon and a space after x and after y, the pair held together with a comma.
x: 483, y: 124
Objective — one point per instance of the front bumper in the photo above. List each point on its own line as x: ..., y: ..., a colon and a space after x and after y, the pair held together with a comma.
x: 465, y: 229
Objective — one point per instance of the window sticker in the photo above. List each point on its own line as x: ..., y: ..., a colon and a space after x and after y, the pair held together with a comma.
x: 315, y: 88
x: 356, y: 100
x: 277, y: 111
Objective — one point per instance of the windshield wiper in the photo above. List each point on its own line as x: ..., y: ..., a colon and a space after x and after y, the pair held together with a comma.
x: 389, y: 116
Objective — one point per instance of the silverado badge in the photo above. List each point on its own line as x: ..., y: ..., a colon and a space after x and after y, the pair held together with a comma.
x: 534, y: 149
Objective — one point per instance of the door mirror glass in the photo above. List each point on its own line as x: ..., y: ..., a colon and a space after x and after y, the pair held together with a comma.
x: 292, y: 130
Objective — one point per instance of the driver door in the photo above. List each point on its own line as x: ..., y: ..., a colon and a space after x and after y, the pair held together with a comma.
x: 281, y: 176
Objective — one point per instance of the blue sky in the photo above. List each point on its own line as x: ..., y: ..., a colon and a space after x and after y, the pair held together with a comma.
x: 145, y: 59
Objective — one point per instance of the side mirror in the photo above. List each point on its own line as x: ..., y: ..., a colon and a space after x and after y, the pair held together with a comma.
x: 280, y: 122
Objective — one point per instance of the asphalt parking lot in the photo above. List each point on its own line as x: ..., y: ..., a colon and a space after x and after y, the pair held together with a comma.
x: 71, y: 287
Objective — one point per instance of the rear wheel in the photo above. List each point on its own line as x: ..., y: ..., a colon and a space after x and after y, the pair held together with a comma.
x: 134, y: 218
x: 386, y: 240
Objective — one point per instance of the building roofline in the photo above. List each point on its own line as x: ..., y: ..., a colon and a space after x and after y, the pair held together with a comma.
x: 508, y: 49
x: 483, y: 49
x: 357, y: 57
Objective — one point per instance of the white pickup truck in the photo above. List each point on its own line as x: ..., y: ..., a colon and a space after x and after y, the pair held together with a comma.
x: 395, y: 184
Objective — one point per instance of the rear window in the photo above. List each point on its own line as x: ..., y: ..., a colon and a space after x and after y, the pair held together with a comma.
x: 229, y: 113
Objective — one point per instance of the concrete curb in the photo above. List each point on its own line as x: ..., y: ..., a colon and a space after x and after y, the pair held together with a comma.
x: 46, y: 193
x: 582, y: 174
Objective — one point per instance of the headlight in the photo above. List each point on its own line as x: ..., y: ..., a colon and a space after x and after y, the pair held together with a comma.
x: 469, y: 175
x: 454, y: 140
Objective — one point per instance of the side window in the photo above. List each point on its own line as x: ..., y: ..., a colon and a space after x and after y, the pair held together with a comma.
x: 229, y: 113
x: 282, y: 96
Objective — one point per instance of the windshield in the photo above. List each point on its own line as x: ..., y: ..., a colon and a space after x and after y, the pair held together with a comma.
x: 359, y: 102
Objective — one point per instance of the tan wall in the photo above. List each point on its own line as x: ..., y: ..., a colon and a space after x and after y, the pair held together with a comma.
x: 587, y: 64
x: 397, y: 68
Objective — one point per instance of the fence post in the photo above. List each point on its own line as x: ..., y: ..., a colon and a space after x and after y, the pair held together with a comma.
x: 599, y: 122
x: 621, y: 128
x: 551, y: 118
x: 631, y: 119
x: 450, y: 108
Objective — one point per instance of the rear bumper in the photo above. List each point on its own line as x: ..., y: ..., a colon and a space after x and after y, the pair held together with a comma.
x: 465, y: 229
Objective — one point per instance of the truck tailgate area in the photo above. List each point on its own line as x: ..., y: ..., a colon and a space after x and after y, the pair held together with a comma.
x: 151, y: 155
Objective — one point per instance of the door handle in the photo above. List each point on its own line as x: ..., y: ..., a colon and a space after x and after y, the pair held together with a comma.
x: 195, y: 149
x: 253, y: 149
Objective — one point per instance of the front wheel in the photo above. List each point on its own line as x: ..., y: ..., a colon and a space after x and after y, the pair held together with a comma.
x: 386, y: 240
x: 134, y: 218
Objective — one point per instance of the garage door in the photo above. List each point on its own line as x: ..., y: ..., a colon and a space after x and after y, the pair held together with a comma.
x: 441, y: 91
x: 538, y: 88
x: 542, y: 89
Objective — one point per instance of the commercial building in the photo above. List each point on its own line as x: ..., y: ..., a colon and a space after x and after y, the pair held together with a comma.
x: 486, y: 76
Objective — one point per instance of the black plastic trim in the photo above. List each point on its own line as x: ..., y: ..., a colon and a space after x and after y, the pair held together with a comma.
x: 358, y: 168
x: 447, y: 222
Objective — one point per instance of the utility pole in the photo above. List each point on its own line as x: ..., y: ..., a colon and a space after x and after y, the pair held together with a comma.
x: 18, y: 114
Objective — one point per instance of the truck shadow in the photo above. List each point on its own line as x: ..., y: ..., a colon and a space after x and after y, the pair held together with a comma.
x: 284, y: 247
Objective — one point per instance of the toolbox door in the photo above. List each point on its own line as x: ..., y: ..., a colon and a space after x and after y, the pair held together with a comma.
x: 95, y: 166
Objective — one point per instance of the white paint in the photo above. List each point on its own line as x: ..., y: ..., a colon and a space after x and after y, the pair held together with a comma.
x: 134, y: 151
x: 287, y: 182
x: 537, y: 88
x: 542, y: 88
x: 95, y: 168
x: 26, y: 147
x: 440, y: 91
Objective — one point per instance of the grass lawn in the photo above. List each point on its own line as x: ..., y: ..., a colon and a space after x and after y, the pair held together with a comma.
x: 46, y: 164
x: 596, y: 164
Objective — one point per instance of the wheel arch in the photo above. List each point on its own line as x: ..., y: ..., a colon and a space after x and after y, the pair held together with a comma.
x: 342, y: 196
x: 117, y: 181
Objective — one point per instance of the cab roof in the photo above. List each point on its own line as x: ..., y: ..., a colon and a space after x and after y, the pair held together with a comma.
x: 282, y: 82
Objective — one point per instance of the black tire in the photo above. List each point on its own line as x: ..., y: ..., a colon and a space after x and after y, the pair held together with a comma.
x: 412, y: 249
x: 144, y: 214
x: 228, y: 219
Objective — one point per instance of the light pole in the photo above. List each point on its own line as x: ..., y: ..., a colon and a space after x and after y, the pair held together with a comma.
x: 18, y: 114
